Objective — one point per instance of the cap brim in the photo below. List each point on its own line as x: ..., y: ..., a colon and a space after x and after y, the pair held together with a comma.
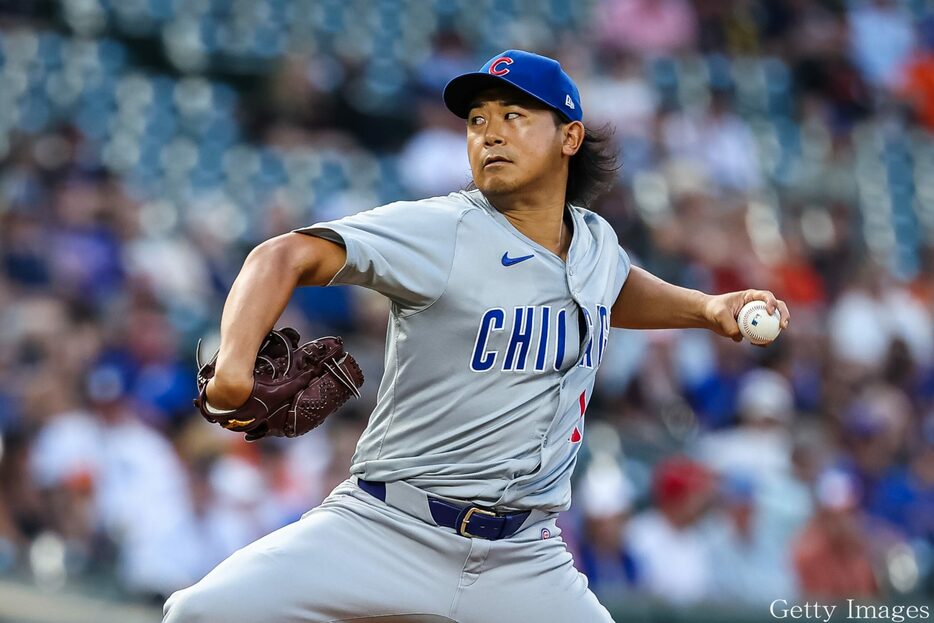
x: 461, y: 91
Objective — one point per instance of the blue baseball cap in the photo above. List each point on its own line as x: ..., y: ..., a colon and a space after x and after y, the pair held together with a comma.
x: 538, y: 76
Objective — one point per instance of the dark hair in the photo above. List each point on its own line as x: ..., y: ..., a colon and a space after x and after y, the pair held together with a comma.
x: 592, y: 170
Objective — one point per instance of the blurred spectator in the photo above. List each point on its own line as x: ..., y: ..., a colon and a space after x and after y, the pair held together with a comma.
x: 713, y: 392
x: 872, y: 313
x: 84, y: 252
x: 24, y: 249
x: 882, y: 37
x: 620, y: 96
x: 875, y: 427
x: 119, y: 466
x: 450, y: 56
x: 905, y: 495
x: 749, y: 558
x: 831, y: 553
x: 607, y: 502
x: 718, y: 141
x: 646, y: 27
x: 917, y: 81
x: 235, y: 508
x: 681, y: 491
x: 760, y: 448
x: 434, y: 162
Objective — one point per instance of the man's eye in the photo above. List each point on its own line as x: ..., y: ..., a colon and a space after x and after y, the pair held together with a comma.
x: 476, y: 120
x: 516, y: 115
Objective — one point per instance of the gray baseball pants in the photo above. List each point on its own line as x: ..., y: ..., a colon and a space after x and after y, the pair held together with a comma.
x: 356, y: 558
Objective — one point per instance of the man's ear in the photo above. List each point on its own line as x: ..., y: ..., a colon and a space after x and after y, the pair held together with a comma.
x: 573, y: 138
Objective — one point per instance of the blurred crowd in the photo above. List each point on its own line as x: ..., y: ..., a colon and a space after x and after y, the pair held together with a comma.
x: 146, y: 147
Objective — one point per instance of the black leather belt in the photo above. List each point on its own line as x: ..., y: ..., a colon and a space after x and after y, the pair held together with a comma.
x: 469, y: 521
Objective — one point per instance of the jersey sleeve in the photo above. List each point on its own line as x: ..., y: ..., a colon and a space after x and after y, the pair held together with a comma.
x: 622, y: 270
x: 403, y: 250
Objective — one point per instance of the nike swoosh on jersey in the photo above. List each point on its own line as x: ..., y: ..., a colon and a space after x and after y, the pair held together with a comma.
x: 509, y: 261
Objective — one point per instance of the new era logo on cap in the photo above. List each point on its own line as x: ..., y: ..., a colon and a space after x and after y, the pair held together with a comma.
x: 538, y: 76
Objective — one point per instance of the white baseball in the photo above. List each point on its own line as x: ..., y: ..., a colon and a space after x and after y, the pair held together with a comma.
x: 757, y: 325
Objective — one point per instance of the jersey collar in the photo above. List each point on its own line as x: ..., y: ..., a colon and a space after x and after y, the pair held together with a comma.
x: 478, y: 198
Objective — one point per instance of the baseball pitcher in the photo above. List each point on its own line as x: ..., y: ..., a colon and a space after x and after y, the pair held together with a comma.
x: 502, y: 299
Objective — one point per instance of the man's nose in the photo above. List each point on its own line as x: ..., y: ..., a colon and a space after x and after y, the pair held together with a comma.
x: 492, y: 135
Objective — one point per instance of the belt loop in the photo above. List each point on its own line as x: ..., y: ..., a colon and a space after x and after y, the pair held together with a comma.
x: 376, y: 489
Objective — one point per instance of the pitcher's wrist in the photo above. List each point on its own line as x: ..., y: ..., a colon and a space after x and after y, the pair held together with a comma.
x: 228, y: 392
x: 703, y: 316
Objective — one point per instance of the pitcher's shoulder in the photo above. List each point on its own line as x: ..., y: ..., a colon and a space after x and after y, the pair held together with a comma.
x: 421, y: 212
x: 454, y: 204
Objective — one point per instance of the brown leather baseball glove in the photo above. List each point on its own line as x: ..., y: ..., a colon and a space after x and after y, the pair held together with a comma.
x: 295, y: 387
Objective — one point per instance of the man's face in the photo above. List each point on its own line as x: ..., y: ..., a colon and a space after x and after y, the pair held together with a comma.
x: 513, y: 141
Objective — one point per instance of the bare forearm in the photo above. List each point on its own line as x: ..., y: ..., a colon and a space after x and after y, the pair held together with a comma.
x: 256, y: 300
x: 647, y: 302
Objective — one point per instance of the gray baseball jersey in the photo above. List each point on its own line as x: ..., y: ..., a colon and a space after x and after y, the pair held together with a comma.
x: 492, y: 348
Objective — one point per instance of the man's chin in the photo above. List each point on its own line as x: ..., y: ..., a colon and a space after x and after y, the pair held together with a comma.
x: 498, y: 187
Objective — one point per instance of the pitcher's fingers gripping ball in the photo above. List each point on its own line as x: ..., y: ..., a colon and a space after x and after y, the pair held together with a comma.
x: 295, y: 386
x: 756, y: 323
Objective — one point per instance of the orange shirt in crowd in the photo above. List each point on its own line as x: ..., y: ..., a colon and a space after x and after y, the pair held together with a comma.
x: 832, y: 565
x: 918, y: 87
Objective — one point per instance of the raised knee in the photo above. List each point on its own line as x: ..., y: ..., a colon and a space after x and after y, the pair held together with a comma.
x: 206, y: 602
x: 190, y: 605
